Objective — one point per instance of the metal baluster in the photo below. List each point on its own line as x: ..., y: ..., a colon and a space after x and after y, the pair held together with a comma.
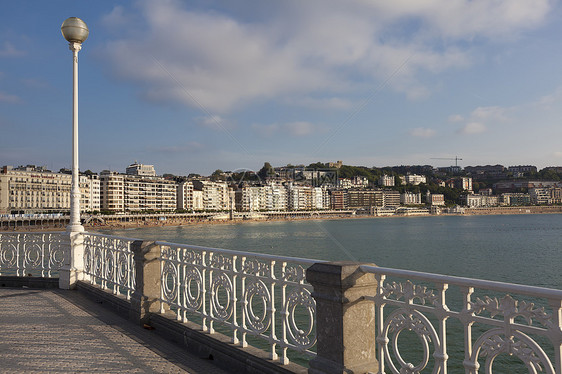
x: 244, y: 304
x: 204, y: 262
x: 234, y: 301
x: 379, y: 306
x: 470, y: 367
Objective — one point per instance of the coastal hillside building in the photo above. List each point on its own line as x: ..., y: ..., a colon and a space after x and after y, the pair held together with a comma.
x: 415, y: 179
x: 215, y: 195
x: 410, y: 198
x: 32, y: 189
x: 522, y: 169
x: 185, y: 196
x: 131, y: 193
x: 140, y: 169
x: 435, y: 199
x: 544, y: 196
x: 299, y: 197
x: 364, y: 198
x: 390, y: 198
x: 90, y: 187
x: 487, y: 171
x: 479, y: 201
x: 515, y: 199
x: 338, y: 199
x: 277, y: 199
x: 112, y: 193
x: 386, y: 181
x: 251, y: 198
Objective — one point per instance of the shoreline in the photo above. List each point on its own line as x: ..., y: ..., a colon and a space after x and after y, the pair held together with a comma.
x: 180, y: 222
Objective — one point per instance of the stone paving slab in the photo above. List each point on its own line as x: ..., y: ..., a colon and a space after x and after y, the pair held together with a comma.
x: 60, y: 331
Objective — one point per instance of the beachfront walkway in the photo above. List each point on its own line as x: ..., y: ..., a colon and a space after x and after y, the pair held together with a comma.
x: 60, y: 331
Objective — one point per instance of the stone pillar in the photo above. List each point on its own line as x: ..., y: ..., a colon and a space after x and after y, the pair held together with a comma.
x: 145, y: 298
x: 345, y: 324
x: 73, y: 268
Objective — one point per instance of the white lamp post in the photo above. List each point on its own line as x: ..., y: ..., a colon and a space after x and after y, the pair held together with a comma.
x: 76, y: 32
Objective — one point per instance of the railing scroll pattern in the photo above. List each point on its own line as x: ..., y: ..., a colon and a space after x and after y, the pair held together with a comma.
x: 506, y: 325
x: 32, y: 254
x: 109, y: 263
x: 251, y: 294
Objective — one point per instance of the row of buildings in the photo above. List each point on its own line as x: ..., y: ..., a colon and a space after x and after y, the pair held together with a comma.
x: 33, y: 189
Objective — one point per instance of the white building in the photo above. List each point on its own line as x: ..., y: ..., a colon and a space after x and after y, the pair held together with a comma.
x: 36, y: 190
x: 215, y: 194
x: 140, y: 169
x: 131, y: 193
x: 386, y: 180
x: 410, y: 198
x: 185, y: 196
x: 415, y: 179
x: 476, y: 201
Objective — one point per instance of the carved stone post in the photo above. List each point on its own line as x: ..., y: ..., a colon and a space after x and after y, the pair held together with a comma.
x: 145, y: 298
x: 345, y: 323
x: 73, y: 267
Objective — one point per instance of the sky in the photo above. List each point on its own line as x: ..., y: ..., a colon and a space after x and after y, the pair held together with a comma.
x: 195, y: 86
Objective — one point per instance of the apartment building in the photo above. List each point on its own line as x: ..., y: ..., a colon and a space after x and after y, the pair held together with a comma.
x: 410, y: 198
x: 478, y: 201
x: 131, y: 193
x: 112, y: 192
x: 299, y: 197
x: 141, y: 170
x: 33, y: 189
x: 185, y: 195
x: 386, y: 181
x: 215, y: 195
x: 390, y: 198
x: 414, y: 179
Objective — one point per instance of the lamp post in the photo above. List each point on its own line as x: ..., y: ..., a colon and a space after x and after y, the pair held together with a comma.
x: 76, y: 32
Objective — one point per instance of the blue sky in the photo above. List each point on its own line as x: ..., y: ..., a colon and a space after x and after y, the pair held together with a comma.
x: 194, y: 86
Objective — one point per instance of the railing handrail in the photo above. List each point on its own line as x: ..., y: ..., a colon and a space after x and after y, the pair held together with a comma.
x: 111, y: 236
x: 545, y: 292
x: 305, y: 261
x: 31, y: 232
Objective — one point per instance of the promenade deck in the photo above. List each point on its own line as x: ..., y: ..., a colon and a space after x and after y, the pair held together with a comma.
x: 60, y: 331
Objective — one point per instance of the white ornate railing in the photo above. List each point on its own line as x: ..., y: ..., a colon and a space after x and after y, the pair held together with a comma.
x: 108, y: 262
x: 496, y: 319
x: 252, y: 294
x: 37, y: 254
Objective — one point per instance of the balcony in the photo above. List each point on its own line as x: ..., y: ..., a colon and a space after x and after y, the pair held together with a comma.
x: 285, y: 314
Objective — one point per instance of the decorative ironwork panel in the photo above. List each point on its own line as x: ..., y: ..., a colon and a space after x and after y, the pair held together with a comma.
x: 109, y: 263
x: 498, y: 323
x: 36, y: 254
x: 243, y: 294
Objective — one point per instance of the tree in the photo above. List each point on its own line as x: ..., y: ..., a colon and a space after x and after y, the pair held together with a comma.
x: 218, y: 175
x: 266, y: 171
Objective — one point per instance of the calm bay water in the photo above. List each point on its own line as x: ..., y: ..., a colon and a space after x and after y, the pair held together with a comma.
x: 522, y: 249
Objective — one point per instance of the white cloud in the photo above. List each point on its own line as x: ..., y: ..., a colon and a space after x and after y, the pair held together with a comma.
x: 456, y: 118
x: 8, y: 50
x: 294, y: 129
x: 214, y: 122
x: 300, y: 128
x: 480, y: 119
x: 420, y: 132
x: 220, y: 61
x: 8, y: 98
x: 189, y: 147
x: 473, y: 128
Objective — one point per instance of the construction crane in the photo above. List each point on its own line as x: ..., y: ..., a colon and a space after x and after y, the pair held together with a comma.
x: 456, y: 159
